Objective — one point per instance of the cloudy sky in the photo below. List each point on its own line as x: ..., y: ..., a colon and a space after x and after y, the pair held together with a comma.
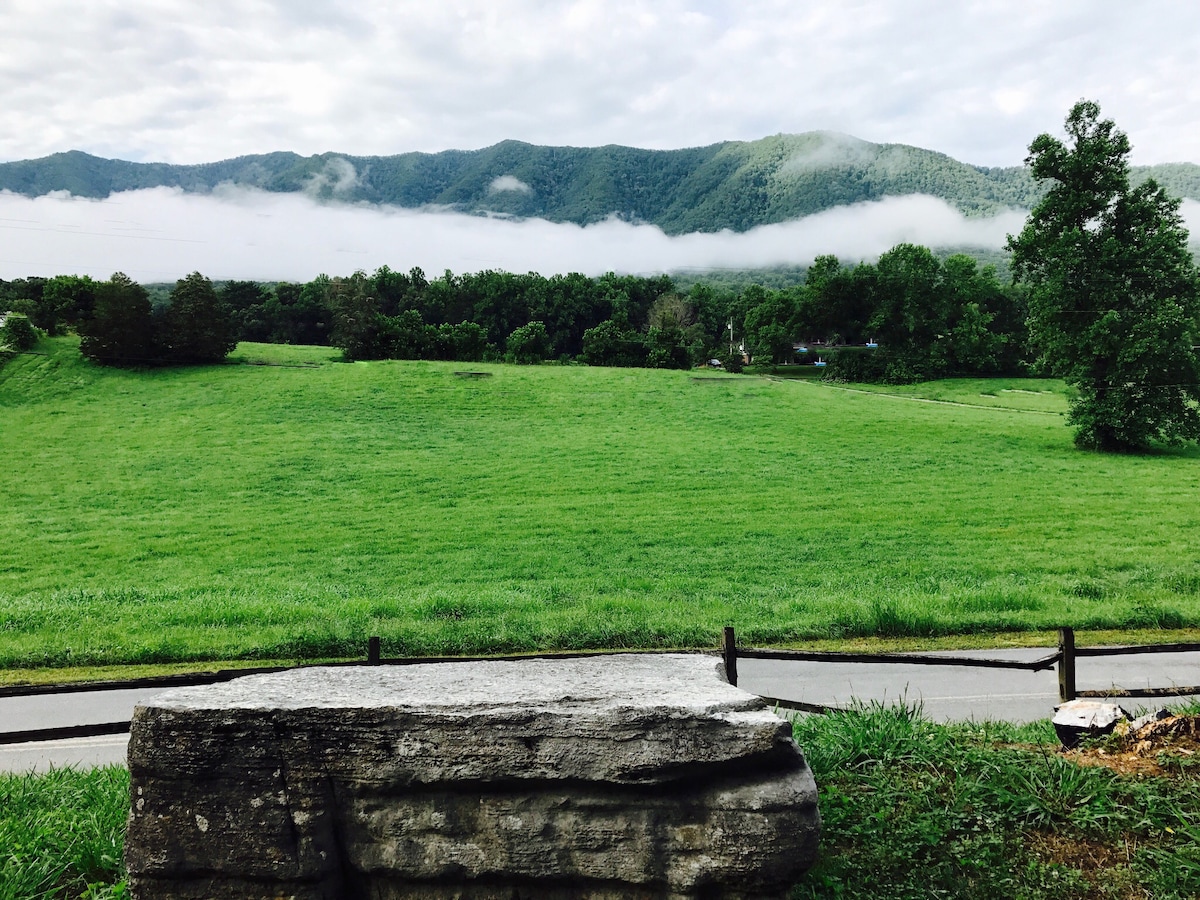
x: 186, y: 81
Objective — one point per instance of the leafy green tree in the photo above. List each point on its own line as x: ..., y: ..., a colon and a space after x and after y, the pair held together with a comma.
x: 464, y: 342
x: 836, y: 303
x: 359, y: 329
x: 976, y: 346
x: 529, y: 344
x: 197, y: 326
x: 24, y: 296
x: 674, y: 339
x: 1112, y: 290
x: 300, y: 314
x: 120, y: 331
x: 769, y: 325
x: 912, y: 314
x: 610, y: 344
x: 409, y: 337
x: 247, y: 302
x: 66, y: 300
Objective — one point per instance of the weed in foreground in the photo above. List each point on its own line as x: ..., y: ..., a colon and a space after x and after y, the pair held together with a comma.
x: 62, y: 834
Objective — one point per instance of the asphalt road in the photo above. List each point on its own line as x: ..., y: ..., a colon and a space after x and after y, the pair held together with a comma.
x: 944, y: 693
x: 964, y: 693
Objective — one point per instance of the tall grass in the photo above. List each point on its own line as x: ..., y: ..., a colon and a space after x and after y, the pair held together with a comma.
x: 290, y: 511
x: 911, y: 809
x: 62, y: 834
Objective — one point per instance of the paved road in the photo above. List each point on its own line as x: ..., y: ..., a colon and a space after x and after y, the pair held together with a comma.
x: 945, y: 694
x: 80, y: 753
x: 965, y: 693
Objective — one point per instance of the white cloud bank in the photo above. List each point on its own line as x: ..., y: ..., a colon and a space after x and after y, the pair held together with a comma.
x: 163, y: 234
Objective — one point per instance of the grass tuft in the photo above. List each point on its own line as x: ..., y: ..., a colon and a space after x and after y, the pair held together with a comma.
x: 62, y: 834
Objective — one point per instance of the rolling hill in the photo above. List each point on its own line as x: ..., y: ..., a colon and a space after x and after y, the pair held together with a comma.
x: 733, y: 185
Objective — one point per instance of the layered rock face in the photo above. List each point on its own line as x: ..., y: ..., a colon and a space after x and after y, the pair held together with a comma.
x: 635, y: 776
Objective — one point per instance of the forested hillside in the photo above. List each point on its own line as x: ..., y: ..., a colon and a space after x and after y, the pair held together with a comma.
x: 733, y: 185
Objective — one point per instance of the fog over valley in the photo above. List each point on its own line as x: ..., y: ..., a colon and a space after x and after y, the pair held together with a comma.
x: 162, y: 234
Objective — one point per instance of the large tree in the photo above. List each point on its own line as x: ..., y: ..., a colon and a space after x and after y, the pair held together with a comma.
x: 120, y: 331
x: 1113, y: 300
x: 197, y: 327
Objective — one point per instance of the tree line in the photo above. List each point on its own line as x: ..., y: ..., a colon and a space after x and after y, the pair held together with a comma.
x: 119, y: 325
x: 928, y: 317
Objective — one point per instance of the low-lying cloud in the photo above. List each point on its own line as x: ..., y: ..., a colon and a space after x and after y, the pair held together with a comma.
x: 337, y: 179
x: 509, y: 183
x: 829, y: 150
x: 163, y: 234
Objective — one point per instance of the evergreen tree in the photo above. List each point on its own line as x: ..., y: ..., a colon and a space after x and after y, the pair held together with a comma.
x: 120, y: 331
x: 198, y: 326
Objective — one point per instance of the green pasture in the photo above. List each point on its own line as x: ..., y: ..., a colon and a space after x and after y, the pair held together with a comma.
x: 293, y: 509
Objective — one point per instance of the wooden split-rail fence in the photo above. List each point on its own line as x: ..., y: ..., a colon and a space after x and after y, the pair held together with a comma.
x: 1063, y: 658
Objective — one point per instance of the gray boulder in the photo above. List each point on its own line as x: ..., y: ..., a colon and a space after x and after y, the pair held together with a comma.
x: 630, y: 776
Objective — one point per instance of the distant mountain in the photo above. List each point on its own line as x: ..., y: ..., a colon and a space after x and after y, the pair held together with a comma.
x: 735, y: 185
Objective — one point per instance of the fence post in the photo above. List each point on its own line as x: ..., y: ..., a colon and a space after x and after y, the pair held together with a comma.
x: 1066, y: 664
x: 373, y: 651
x: 729, y: 651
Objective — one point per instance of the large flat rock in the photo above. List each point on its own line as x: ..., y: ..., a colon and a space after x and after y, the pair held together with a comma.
x: 622, y: 776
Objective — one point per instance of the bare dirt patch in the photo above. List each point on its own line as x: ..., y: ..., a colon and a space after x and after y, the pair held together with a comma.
x: 1166, y: 747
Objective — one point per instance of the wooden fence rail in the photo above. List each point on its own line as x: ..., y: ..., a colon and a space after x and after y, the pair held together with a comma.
x: 1063, y: 659
x: 1069, y: 653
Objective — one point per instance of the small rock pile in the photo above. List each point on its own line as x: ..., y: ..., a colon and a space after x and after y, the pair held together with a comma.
x: 1160, y: 743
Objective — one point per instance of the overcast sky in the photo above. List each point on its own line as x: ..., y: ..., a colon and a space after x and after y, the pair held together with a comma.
x: 186, y: 81
x: 190, y: 81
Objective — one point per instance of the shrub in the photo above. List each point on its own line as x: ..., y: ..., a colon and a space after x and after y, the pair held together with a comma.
x: 17, y: 333
x: 857, y: 364
x: 733, y: 362
x: 529, y: 344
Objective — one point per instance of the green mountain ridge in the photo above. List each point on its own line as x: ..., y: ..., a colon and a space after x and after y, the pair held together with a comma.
x: 734, y: 185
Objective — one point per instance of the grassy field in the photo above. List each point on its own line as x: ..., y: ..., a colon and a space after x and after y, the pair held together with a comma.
x: 910, y: 810
x: 290, y: 510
